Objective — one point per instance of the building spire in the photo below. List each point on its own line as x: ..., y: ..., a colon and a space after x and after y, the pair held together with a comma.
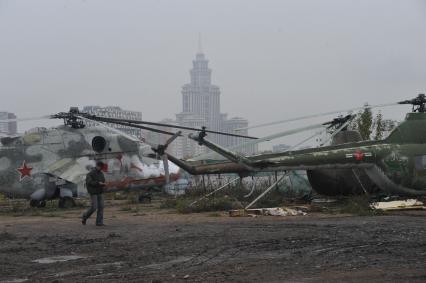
x: 200, y: 45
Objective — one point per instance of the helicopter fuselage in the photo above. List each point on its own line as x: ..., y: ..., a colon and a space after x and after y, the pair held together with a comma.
x: 50, y: 163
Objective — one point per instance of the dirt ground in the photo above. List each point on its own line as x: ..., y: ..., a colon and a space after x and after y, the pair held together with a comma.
x: 150, y: 245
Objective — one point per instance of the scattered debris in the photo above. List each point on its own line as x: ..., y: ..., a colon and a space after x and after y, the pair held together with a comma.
x: 273, y: 211
x: 409, y: 204
x: 55, y: 259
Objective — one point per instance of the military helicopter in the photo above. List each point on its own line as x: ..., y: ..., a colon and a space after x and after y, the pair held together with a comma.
x: 52, y: 163
x: 395, y: 165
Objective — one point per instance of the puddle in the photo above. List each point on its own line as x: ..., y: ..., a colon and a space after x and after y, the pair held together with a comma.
x: 54, y: 259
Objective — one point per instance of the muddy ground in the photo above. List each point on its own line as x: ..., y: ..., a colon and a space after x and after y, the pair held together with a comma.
x: 145, y: 244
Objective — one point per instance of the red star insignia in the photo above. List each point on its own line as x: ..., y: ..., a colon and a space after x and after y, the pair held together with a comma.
x: 358, y: 155
x: 24, y: 170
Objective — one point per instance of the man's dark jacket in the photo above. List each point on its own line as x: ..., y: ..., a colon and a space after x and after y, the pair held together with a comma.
x: 93, y: 180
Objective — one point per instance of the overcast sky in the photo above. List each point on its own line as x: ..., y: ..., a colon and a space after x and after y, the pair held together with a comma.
x: 271, y: 59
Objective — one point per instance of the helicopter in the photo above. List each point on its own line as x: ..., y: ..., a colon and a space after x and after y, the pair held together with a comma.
x: 46, y: 164
x: 395, y: 165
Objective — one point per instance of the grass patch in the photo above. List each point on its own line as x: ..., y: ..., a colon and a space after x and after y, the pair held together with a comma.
x: 232, y: 197
x: 183, y: 204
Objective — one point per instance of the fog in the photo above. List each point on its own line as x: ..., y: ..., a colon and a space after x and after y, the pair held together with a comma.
x: 272, y: 59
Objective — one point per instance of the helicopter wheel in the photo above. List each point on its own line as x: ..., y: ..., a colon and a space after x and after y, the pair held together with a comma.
x: 37, y: 203
x: 66, y: 202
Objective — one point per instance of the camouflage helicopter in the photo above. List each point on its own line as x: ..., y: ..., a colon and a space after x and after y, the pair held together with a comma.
x: 395, y: 165
x: 52, y: 163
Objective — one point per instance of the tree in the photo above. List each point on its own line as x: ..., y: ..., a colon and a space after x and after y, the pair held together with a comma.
x: 364, y: 122
x: 379, y: 127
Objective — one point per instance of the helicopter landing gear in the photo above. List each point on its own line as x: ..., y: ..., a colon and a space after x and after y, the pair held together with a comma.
x: 66, y: 202
x: 37, y: 203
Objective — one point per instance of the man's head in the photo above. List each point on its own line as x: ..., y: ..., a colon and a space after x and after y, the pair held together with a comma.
x: 99, y: 165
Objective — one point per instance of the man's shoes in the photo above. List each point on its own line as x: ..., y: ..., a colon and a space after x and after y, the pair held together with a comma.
x: 83, y: 221
x: 100, y: 224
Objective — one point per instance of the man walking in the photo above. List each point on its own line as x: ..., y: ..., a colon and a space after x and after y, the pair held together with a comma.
x: 95, y: 183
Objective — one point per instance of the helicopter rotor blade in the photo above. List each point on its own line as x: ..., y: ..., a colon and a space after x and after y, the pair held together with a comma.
x: 266, y: 138
x: 338, y: 130
x: 128, y: 123
x: 134, y: 123
x: 314, y: 116
x: 25, y: 119
x: 130, y: 137
x: 172, y: 138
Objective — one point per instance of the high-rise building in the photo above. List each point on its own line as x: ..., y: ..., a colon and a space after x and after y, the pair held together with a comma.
x: 201, y: 107
x: 230, y: 126
x: 8, y: 128
x: 115, y: 112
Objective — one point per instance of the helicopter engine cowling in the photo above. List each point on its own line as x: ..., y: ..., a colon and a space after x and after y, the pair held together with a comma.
x: 341, y: 181
x: 99, y: 144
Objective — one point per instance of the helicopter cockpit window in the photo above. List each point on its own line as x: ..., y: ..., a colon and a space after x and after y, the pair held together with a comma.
x: 32, y: 138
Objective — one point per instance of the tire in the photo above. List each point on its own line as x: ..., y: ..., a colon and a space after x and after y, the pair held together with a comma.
x: 66, y: 202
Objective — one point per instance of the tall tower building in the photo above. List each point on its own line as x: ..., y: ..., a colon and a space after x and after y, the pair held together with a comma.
x: 201, y: 107
x: 200, y: 96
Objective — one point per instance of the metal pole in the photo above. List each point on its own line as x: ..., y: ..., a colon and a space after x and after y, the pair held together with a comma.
x: 359, y: 181
x: 291, y: 184
x: 276, y: 177
x: 204, y: 183
x: 266, y: 191
x: 253, y: 186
